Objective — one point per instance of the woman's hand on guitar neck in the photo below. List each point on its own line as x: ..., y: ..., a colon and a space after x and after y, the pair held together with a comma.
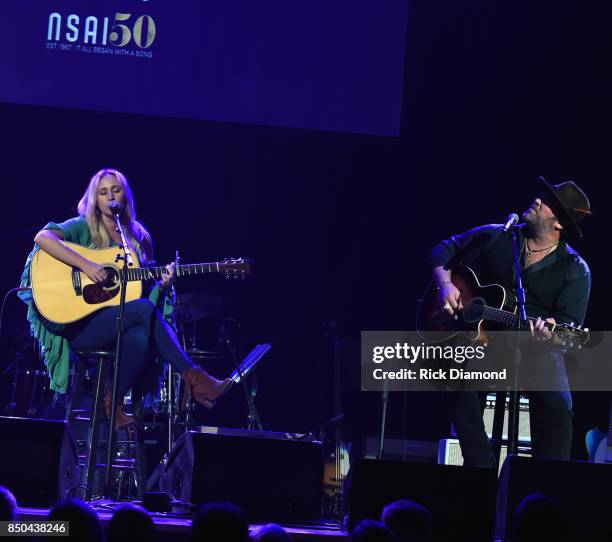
x: 94, y: 271
x: 450, y: 299
x: 168, y: 277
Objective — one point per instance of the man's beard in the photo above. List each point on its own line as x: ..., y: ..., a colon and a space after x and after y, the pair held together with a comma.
x: 539, y: 226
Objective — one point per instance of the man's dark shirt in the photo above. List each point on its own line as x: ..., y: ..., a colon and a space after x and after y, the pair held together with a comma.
x: 556, y: 287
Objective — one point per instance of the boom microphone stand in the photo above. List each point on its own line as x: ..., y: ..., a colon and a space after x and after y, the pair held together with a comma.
x: 115, y: 208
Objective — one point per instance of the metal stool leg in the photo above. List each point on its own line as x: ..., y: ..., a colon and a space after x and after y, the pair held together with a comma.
x: 76, y: 391
x: 96, y: 415
x: 135, y: 444
x: 139, y: 453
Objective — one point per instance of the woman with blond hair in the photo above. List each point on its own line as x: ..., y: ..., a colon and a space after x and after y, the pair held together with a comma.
x: 146, y: 332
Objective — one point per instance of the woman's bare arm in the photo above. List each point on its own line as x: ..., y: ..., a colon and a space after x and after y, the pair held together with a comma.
x: 51, y: 242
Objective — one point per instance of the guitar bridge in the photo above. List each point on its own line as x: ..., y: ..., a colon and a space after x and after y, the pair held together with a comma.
x: 76, y: 281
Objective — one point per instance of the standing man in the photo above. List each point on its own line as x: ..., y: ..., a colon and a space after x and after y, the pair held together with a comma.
x: 557, y: 283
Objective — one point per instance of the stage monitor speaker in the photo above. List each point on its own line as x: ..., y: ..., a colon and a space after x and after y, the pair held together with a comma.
x: 270, y: 477
x: 38, y: 460
x: 461, y: 499
x: 582, y: 489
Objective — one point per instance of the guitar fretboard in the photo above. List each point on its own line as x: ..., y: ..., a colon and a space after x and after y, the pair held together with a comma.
x: 146, y: 273
x: 510, y: 319
x: 498, y: 315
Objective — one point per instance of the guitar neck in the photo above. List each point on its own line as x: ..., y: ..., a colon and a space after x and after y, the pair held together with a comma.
x: 507, y: 318
x: 156, y: 272
x: 510, y: 319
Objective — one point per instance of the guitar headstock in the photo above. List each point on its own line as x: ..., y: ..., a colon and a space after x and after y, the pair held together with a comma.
x: 237, y: 268
x: 572, y: 334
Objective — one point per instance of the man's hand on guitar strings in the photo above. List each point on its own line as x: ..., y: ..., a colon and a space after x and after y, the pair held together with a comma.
x: 538, y: 329
x: 450, y: 299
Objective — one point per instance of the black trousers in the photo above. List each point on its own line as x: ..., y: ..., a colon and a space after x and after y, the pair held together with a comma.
x: 550, y: 415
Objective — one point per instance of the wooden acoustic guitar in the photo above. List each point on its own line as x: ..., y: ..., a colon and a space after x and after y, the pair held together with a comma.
x: 65, y: 294
x: 480, y: 304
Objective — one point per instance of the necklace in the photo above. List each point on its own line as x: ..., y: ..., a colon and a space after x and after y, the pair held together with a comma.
x: 530, y: 252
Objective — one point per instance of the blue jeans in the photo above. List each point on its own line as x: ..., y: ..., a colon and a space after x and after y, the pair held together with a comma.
x: 145, y: 335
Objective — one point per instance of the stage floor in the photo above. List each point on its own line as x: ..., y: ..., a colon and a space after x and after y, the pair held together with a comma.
x: 173, y: 527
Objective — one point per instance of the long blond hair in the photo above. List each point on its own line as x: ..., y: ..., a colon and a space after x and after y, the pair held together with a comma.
x: 88, y: 208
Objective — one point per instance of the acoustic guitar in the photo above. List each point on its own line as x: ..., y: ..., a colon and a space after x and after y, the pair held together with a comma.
x: 65, y: 294
x: 480, y: 304
x: 599, y: 445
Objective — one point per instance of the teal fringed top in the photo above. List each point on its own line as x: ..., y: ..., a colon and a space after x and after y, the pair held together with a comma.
x: 55, y: 347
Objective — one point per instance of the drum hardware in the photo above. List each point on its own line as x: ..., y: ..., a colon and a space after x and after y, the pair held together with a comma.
x: 194, y: 306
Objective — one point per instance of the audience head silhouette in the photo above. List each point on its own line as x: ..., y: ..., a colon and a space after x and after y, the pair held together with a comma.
x: 8, y: 505
x: 539, y: 517
x: 130, y: 522
x: 270, y: 533
x: 219, y: 521
x: 369, y: 530
x: 84, y: 523
x: 409, y: 521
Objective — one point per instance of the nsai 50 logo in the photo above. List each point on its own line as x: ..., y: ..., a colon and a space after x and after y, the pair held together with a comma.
x: 122, y: 31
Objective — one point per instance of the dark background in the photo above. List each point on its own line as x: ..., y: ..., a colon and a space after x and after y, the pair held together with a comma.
x: 340, y: 225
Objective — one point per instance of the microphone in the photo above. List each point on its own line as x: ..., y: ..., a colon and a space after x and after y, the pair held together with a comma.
x: 513, y: 219
x: 114, y: 207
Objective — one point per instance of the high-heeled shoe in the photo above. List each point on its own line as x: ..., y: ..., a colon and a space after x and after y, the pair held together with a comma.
x: 121, y: 418
x: 205, y: 389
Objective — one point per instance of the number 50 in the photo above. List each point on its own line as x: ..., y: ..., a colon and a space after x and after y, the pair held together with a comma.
x: 126, y: 34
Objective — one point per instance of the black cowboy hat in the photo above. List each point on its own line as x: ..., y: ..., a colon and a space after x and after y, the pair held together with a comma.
x: 569, y: 203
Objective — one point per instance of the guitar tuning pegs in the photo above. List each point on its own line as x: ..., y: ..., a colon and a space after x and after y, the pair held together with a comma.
x: 571, y: 324
x: 571, y: 345
x: 586, y: 329
x: 579, y: 347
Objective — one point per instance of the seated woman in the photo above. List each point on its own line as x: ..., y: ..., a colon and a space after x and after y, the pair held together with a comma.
x: 146, y: 332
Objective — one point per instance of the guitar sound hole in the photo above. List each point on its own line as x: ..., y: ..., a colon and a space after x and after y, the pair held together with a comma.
x: 473, y: 311
x: 112, y: 279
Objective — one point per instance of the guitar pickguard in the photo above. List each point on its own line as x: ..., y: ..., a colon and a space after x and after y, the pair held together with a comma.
x: 94, y: 294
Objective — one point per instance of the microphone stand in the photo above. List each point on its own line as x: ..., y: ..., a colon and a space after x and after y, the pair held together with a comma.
x: 521, y: 322
x: 127, y: 262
